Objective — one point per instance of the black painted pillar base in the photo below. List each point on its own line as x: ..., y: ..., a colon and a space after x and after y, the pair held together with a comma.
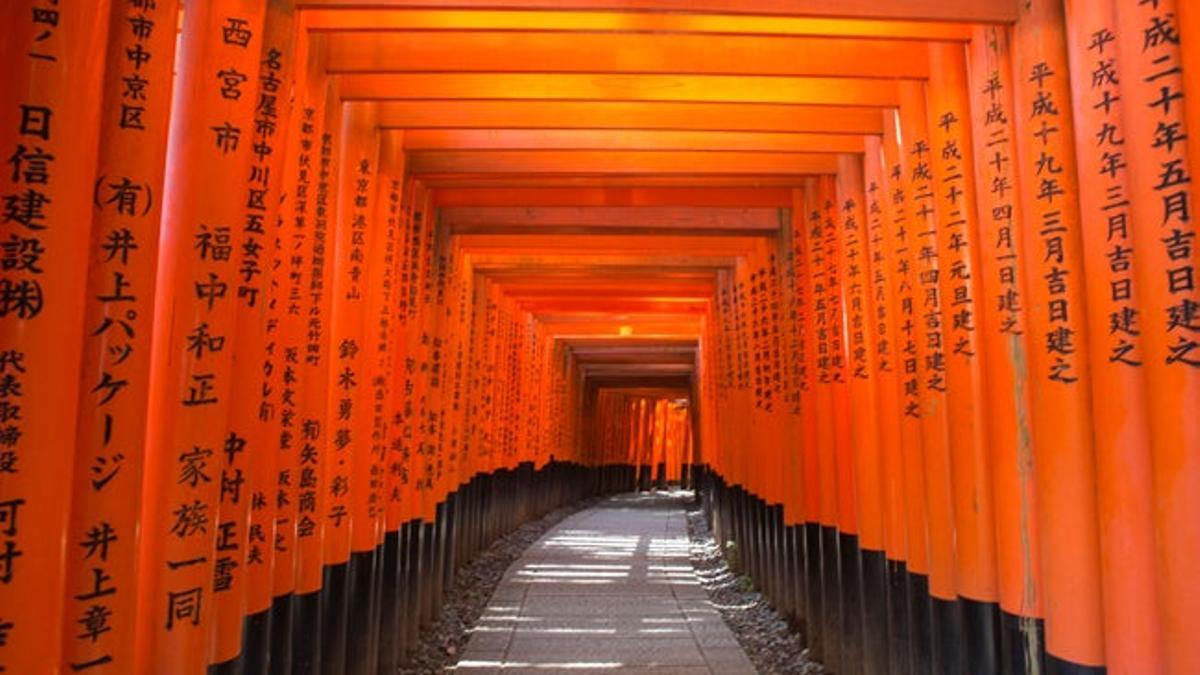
x: 307, y: 637
x: 360, y: 606
x: 815, y: 590
x: 949, y: 639
x: 981, y: 624
x: 897, y: 616
x: 283, y: 625
x: 875, y: 612
x: 335, y: 614
x: 851, y: 656
x: 831, y: 599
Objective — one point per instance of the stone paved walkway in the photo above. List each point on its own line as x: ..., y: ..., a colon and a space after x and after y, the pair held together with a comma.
x: 610, y: 589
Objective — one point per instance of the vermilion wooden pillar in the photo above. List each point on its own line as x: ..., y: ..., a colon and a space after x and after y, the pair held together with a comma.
x: 255, y: 409
x: 300, y: 485
x: 891, y: 418
x: 900, y: 239
x: 1132, y: 630
x: 107, y: 489
x: 53, y: 70
x: 861, y: 380
x: 209, y: 154
x: 1058, y: 340
x: 959, y: 245
x: 1005, y: 351
x: 347, y: 461
x: 946, y: 619
x: 1160, y: 150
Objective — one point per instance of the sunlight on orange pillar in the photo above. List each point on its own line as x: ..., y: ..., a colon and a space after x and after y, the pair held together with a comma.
x: 901, y: 243
x: 931, y: 340
x: 1009, y: 435
x: 860, y: 372
x: 1162, y: 194
x: 1006, y: 369
x: 191, y: 375
x: 253, y: 434
x: 953, y: 165
x: 53, y: 72
x: 889, y: 363
x: 1123, y: 473
x: 1062, y: 421
x: 105, y: 506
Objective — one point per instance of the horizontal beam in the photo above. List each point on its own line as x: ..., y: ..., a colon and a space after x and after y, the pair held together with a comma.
x: 590, y: 87
x: 600, y: 196
x: 636, y: 370
x: 597, y: 162
x: 628, y: 115
x: 421, y: 19
x: 615, y: 306
x: 643, y: 246
x: 625, y: 357
x: 632, y: 342
x: 992, y: 11
x: 605, y: 139
x: 461, y: 181
x: 682, y: 218
x: 680, y: 383
x: 627, y: 53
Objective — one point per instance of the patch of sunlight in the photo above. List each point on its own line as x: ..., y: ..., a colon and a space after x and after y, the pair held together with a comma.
x: 561, y: 665
x: 572, y: 574
x: 575, y: 566
x: 571, y: 631
x: 580, y: 582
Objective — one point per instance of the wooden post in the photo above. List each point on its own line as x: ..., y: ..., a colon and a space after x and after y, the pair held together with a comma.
x: 1059, y: 372
x: 53, y: 71
x: 1005, y: 352
x: 191, y: 379
x: 110, y: 440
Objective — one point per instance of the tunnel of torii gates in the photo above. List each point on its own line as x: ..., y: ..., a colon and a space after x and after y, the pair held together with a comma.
x: 304, y: 302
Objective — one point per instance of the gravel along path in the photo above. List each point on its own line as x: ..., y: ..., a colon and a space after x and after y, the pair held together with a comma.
x: 767, y: 639
x: 441, y: 643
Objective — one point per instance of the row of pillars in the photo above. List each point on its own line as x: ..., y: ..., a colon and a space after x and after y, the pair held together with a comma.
x: 651, y: 433
x: 958, y: 393
x: 255, y: 408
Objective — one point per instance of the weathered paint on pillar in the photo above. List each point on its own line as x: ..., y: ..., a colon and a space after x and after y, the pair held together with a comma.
x: 1005, y: 346
x: 1058, y: 340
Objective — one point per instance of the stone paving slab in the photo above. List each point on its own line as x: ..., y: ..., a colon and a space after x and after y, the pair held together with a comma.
x: 609, y: 590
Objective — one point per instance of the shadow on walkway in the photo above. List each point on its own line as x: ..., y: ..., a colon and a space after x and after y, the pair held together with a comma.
x: 610, y: 589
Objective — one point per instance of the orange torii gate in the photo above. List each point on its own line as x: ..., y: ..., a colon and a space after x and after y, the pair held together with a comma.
x: 301, y: 315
